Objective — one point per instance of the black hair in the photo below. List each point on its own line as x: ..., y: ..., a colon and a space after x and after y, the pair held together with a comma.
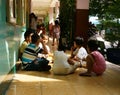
x: 30, y: 30
x: 32, y: 15
x: 62, y: 48
x: 92, y: 45
x: 27, y: 33
x: 79, y: 41
x: 38, y: 26
x: 56, y: 22
x: 35, y: 38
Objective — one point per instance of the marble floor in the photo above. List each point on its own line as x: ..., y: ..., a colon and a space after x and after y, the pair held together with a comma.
x: 46, y: 83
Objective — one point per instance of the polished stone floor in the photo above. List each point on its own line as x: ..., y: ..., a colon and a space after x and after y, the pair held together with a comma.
x: 46, y: 83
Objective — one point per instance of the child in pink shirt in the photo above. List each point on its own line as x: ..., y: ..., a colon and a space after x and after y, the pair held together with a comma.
x: 95, y: 62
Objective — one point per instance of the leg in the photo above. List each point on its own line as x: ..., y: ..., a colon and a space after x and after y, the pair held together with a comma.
x: 89, y: 66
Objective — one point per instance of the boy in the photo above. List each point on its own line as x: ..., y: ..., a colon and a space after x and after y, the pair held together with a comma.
x: 30, y: 59
x: 26, y: 42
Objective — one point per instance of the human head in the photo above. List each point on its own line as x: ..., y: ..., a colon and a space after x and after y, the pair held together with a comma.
x: 44, y: 37
x: 78, y: 41
x: 27, y: 36
x: 35, y: 38
x: 62, y: 48
x: 32, y: 15
x: 38, y: 28
x: 92, y: 45
x: 56, y: 22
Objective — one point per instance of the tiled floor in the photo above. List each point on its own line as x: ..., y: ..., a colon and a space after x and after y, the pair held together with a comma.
x: 46, y: 83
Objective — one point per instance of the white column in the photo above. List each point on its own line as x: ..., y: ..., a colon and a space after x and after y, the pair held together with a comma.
x: 51, y: 17
x: 57, y: 9
x: 82, y: 4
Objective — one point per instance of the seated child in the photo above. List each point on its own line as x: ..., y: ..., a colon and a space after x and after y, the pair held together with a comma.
x: 26, y: 42
x: 95, y: 61
x: 78, y: 52
x: 61, y: 65
x: 45, y: 39
x: 30, y: 59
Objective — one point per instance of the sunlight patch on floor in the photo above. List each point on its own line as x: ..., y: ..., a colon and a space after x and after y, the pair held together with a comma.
x: 31, y: 78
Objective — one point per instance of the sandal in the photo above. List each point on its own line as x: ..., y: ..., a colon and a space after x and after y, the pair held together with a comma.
x: 85, y: 74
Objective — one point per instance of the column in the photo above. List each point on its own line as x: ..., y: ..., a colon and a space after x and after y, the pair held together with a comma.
x: 27, y: 11
x: 19, y: 18
x: 51, y: 18
x: 82, y: 19
x: 57, y: 9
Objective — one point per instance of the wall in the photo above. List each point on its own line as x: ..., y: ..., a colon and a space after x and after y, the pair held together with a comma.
x: 10, y: 39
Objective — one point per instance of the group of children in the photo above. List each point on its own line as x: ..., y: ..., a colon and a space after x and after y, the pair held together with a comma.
x: 95, y: 62
x: 33, y: 45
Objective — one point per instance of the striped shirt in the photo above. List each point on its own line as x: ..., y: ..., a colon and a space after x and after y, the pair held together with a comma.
x: 30, y: 53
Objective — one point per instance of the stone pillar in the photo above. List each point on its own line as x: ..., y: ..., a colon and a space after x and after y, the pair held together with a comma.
x: 19, y: 12
x: 51, y: 21
x: 82, y: 19
x: 51, y: 14
x: 27, y: 11
x: 57, y: 9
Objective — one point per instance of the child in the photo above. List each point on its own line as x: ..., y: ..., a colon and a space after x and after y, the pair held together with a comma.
x: 95, y: 60
x: 78, y: 52
x: 45, y: 39
x: 56, y: 32
x: 61, y: 65
x: 30, y: 59
x: 25, y: 43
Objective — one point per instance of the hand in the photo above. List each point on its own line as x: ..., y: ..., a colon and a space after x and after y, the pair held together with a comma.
x: 41, y: 40
x: 72, y: 48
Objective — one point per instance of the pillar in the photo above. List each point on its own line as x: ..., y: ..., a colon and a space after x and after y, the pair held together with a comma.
x: 82, y: 19
x: 19, y: 18
x: 27, y: 11
x: 51, y: 18
x: 57, y: 9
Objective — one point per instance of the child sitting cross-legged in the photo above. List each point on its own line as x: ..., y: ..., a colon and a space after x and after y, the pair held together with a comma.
x: 95, y: 61
x: 30, y: 59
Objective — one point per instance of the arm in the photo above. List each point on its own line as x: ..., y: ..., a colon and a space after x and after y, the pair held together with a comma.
x: 90, y: 62
x: 73, y: 51
x: 45, y: 51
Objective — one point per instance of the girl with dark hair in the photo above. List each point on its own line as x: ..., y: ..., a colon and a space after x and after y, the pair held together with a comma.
x: 78, y: 52
x: 95, y: 62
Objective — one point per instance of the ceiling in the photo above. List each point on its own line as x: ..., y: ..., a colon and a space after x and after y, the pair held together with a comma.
x: 41, y: 7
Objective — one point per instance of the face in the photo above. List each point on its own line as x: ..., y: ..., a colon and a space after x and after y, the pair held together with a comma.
x: 29, y: 38
x: 45, y: 39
